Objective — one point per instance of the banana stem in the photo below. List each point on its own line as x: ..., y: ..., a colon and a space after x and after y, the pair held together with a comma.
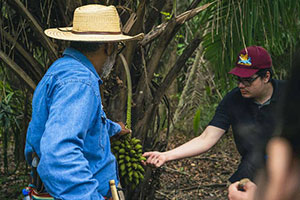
x: 129, y: 93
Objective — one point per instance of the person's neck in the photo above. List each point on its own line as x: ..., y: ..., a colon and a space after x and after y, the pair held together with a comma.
x: 267, y: 93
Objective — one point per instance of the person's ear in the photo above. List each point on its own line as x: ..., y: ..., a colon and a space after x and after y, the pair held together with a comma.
x: 267, y: 77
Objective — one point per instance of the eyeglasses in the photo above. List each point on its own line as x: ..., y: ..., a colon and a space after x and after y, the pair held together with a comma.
x: 246, y: 81
x: 119, y: 47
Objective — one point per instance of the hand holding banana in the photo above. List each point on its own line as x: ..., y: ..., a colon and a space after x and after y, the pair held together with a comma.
x: 124, y: 129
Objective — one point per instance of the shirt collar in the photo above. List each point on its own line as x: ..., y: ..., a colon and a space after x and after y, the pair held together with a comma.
x: 264, y: 104
x: 83, y: 59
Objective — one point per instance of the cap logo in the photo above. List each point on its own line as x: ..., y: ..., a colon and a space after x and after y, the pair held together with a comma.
x: 244, y: 60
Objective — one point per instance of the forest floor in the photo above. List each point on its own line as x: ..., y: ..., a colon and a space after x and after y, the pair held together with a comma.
x: 12, y: 184
x: 203, y: 177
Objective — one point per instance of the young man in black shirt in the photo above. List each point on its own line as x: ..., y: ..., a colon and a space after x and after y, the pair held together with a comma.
x: 250, y: 109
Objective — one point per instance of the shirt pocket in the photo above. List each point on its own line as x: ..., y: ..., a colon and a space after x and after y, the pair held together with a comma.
x: 103, y: 130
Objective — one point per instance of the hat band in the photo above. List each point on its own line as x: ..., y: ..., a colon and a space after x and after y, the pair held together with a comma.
x: 90, y: 32
x: 96, y: 33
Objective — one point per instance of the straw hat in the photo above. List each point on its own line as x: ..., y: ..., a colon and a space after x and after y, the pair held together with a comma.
x: 93, y: 23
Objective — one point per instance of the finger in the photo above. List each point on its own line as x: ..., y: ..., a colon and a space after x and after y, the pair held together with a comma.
x: 149, y: 157
x: 122, y: 133
x: 156, y: 161
x: 159, y: 163
x: 153, y: 159
x: 144, y: 163
x: 147, y: 154
x: 249, y: 185
x: 127, y: 130
x: 233, y: 192
x: 148, y: 161
x: 234, y: 186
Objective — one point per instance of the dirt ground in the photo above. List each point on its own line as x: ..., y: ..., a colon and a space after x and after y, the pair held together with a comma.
x: 204, y: 177
x: 201, y: 178
x: 12, y: 185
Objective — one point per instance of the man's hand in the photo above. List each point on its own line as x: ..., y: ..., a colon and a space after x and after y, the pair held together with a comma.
x: 155, y: 158
x: 124, y: 130
x: 235, y: 194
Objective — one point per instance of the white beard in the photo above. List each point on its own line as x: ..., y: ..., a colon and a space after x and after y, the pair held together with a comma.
x: 108, y: 65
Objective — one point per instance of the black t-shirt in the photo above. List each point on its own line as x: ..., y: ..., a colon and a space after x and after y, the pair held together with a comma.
x: 252, y: 125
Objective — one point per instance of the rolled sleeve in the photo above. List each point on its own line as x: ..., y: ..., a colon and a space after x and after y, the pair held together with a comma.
x: 71, y: 113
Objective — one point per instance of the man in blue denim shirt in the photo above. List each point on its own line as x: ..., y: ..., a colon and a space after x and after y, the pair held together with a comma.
x: 69, y: 130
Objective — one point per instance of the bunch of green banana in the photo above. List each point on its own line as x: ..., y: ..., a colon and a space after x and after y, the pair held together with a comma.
x: 128, y: 152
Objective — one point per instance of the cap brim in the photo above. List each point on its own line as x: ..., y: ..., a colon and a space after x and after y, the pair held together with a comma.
x: 242, y: 72
x: 66, y: 34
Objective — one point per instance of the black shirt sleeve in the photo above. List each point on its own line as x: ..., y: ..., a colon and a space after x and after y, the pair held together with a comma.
x: 221, y: 118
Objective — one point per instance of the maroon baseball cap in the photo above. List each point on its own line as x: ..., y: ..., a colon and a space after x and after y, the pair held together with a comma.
x: 250, y: 61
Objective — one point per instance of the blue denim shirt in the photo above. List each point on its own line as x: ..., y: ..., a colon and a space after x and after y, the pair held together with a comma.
x: 70, y: 133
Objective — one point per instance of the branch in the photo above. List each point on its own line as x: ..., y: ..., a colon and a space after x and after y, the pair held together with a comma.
x: 167, y: 32
x: 176, y: 68
x: 180, y: 19
x: 155, y: 58
x: 142, y: 124
x: 162, y: 194
x: 174, y: 170
x: 19, y: 71
x: 130, y: 22
x: 136, y: 27
x: 36, y: 27
x: 195, y: 187
x: 37, y: 68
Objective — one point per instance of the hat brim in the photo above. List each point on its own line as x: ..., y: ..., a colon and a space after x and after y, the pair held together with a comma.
x: 66, y: 34
x: 243, y: 72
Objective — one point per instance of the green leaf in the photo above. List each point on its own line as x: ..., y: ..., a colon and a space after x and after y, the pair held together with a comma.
x: 196, y: 121
x: 167, y: 14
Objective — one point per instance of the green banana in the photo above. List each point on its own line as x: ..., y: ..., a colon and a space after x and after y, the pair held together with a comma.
x: 122, y: 167
x: 128, y: 151
x: 128, y: 164
x: 121, y: 156
x: 117, y: 148
x: 138, y: 146
x: 127, y: 158
x: 143, y: 158
x: 134, y: 165
x: 122, y: 151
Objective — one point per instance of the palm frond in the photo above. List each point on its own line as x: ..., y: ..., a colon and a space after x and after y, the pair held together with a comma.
x: 235, y: 24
